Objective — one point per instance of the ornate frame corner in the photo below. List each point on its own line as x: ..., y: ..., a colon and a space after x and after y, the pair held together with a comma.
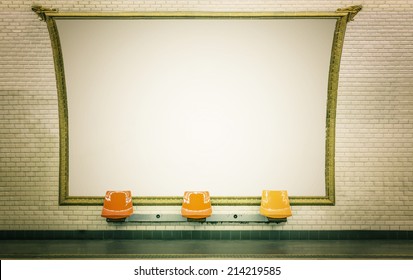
x: 352, y: 11
x: 42, y: 12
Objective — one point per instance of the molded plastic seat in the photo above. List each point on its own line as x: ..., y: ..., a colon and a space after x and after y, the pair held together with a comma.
x: 196, y: 205
x: 275, y: 204
x: 117, y: 205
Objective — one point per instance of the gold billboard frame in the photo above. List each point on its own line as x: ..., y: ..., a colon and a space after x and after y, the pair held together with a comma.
x: 342, y: 16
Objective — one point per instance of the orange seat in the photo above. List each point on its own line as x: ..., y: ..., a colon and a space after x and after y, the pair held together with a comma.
x: 117, y: 205
x: 196, y: 205
x: 275, y: 204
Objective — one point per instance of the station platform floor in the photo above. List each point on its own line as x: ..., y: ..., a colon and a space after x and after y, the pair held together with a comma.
x: 206, y: 249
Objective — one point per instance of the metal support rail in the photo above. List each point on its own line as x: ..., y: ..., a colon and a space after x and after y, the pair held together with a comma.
x: 214, y: 219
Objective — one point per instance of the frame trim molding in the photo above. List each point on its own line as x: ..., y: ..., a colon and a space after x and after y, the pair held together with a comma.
x: 343, y: 16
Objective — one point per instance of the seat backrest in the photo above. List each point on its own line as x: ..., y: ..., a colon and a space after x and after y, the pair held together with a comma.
x: 118, y: 200
x: 196, y: 200
x: 276, y: 199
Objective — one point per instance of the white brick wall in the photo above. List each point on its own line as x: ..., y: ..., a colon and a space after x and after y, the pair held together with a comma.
x: 374, y: 140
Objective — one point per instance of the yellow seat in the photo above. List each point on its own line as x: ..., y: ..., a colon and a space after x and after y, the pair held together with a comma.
x: 117, y: 205
x: 275, y: 204
x: 196, y: 205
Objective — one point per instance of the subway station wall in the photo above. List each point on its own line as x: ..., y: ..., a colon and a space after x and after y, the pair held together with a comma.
x: 374, y: 124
